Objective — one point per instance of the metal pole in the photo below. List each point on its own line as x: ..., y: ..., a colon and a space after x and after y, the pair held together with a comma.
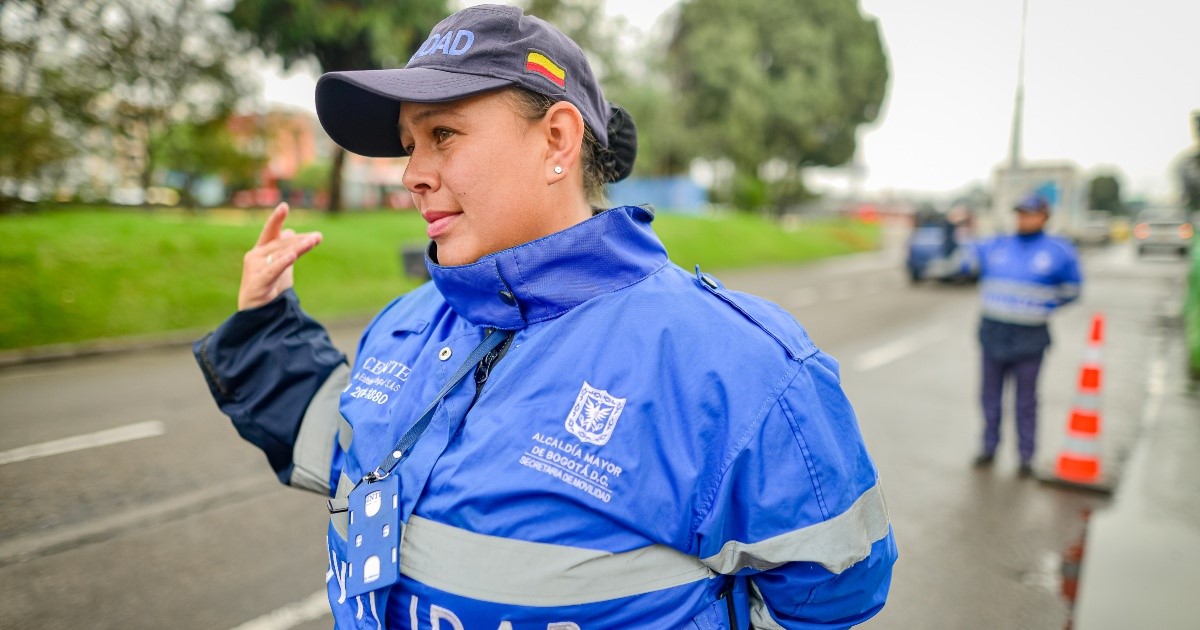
x: 1019, y: 106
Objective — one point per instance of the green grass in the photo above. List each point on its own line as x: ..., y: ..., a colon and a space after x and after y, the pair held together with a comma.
x: 70, y: 276
x: 735, y: 241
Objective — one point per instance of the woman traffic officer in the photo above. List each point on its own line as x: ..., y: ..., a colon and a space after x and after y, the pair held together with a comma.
x: 635, y: 447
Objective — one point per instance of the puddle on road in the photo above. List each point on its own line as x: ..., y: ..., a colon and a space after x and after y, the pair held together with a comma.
x: 1047, y: 575
x: 1058, y: 571
x: 1071, y: 566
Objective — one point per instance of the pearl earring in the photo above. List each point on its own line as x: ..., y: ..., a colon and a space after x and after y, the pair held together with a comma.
x: 558, y: 170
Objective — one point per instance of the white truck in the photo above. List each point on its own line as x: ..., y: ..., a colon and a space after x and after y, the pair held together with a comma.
x: 1061, y: 184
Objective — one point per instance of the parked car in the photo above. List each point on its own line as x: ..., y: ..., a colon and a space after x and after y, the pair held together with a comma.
x: 1096, y: 228
x: 1167, y: 229
x: 1120, y: 228
x: 935, y: 252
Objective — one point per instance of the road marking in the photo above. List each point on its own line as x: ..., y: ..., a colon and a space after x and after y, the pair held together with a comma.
x: 308, y: 609
x: 897, y: 349
x: 138, y: 518
x: 126, y: 433
x: 1156, y: 385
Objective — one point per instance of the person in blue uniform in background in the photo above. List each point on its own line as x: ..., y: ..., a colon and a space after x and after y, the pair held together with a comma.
x: 637, y: 446
x: 1024, y: 277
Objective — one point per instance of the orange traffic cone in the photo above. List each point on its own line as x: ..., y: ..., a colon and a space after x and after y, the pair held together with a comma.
x: 1079, y: 459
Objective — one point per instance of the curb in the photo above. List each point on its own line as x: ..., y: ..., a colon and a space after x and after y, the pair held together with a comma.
x: 138, y: 343
x: 95, y: 347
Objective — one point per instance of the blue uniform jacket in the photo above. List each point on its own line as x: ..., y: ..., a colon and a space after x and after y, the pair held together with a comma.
x: 651, y: 451
x: 1023, y: 279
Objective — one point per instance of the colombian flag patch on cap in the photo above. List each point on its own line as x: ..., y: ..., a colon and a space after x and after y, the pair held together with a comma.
x: 538, y: 63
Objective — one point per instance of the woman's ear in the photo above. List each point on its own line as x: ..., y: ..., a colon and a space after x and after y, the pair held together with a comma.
x: 564, y: 128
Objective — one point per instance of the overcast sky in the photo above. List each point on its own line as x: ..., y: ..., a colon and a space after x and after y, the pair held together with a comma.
x: 1108, y: 84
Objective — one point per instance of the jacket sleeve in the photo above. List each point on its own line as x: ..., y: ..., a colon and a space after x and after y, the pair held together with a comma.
x: 972, y: 258
x: 800, y: 512
x: 274, y: 371
x: 1070, y: 279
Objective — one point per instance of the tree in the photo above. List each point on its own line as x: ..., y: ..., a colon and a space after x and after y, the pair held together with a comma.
x: 1190, y: 179
x: 314, y: 176
x: 44, y: 95
x: 203, y: 148
x: 338, y: 35
x: 1104, y: 193
x: 1189, y: 170
x: 665, y: 145
x: 632, y: 78
x: 29, y: 144
x: 585, y: 23
x: 169, y: 62
x: 775, y: 87
x: 94, y: 74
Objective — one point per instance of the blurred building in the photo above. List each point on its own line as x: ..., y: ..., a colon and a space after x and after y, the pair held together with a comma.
x: 110, y: 168
x: 667, y: 194
x: 375, y: 183
x: 293, y: 140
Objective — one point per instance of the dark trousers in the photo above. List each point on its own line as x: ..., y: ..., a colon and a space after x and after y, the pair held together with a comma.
x: 1024, y: 371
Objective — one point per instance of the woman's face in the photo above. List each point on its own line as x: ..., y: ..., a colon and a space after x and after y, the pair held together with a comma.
x: 1031, y: 222
x: 477, y: 174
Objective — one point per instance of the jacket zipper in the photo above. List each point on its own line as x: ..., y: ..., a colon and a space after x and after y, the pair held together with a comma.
x: 484, y: 369
x: 207, y: 367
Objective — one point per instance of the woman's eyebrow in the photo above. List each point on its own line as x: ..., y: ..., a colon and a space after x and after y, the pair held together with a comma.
x: 435, y: 109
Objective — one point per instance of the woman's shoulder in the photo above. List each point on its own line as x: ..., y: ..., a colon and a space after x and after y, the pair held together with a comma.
x: 738, y: 322
x: 1060, y: 244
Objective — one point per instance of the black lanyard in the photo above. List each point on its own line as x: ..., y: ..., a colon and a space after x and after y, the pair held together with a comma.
x: 404, y: 446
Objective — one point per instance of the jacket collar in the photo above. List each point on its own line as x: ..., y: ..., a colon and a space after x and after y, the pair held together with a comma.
x: 1028, y: 237
x: 547, y: 277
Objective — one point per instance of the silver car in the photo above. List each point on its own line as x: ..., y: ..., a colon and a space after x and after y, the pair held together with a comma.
x: 1096, y: 228
x: 1165, y: 229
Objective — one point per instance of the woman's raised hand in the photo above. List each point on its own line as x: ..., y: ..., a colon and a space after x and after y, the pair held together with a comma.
x: 267, y: 267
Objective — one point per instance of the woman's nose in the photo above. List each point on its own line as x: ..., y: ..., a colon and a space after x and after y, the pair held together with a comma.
x: 420, y: 175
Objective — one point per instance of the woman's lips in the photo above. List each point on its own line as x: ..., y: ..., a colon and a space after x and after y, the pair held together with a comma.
x: 439, y: 222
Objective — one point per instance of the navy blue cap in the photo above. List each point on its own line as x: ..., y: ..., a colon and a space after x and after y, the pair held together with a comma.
x: 1033, y: 203
x: 476, y: 50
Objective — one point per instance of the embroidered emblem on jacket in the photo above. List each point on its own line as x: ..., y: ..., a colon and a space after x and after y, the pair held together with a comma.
x: 594, y: 415
x: 1042, y: 261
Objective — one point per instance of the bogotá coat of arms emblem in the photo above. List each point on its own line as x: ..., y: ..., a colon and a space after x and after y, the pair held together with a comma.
x: 594, y: 415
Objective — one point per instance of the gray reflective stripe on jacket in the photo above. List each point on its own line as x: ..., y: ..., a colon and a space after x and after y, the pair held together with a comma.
x: 1024, y: 303
x: 1020, y: 316
x: 835, y: 544
x: 1017, y: 289
x: 312, y: 455
x: 523, y: 573
x: 760, y: 613
x: 341, y: 520
x: 345, y: 434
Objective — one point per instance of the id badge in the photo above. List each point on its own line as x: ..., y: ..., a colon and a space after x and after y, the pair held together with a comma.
x: 374, y: 541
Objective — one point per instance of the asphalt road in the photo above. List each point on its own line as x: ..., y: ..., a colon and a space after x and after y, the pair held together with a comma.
x: 128, y: 501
